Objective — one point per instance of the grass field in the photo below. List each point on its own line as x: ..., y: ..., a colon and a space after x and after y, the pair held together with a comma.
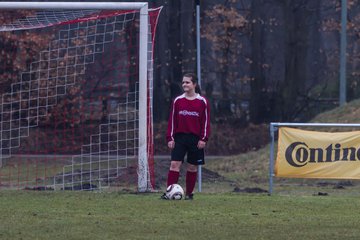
x: 298, y: 209
x: 92, y: 215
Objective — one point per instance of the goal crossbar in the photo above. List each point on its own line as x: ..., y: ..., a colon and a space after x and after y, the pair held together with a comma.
x: 74, y: 5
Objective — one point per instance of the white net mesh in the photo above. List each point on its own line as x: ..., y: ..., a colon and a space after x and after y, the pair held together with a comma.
x: 47, y: 18
x: 70, y: 121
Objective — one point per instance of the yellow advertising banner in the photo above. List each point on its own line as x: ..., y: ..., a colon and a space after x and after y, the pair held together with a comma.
x: 312, y: 154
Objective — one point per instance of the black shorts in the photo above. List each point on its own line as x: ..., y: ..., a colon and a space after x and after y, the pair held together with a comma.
x: 186, y: 143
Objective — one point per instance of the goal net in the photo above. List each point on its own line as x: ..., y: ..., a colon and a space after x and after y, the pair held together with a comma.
x: 76, y: 96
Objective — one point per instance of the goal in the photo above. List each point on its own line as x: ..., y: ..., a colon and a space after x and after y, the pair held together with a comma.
x: 76, y: 95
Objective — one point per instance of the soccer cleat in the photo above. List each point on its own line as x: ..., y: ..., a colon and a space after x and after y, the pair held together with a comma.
x: 189, y: 197
x: 164, y: 197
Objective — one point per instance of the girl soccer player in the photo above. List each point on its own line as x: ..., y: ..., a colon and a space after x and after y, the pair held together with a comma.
x: 187, y: 133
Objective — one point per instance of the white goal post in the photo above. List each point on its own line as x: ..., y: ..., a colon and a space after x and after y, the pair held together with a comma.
x: 142, y: 7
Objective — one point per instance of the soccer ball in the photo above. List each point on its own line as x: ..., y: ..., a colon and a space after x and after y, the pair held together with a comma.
x: 174, y: 192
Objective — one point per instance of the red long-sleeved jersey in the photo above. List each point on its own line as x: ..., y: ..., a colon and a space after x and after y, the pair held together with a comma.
x: 189, y: 116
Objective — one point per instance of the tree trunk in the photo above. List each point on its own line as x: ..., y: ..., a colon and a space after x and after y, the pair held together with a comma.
x: 258, y: 84
x: 295, y: 71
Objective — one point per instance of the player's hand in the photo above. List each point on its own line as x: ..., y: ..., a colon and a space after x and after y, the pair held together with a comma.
x: 201, y: 144
x: 171, y: 144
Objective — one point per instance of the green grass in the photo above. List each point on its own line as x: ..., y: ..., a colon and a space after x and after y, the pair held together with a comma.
x: 295, y: 211
x: 91, y: 215
x: 348, y: 113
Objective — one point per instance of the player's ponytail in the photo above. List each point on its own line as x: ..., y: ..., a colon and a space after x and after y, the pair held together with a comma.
x: 194, y: 79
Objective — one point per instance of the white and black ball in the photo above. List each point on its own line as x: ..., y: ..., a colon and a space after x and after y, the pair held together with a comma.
x: 174, y: 192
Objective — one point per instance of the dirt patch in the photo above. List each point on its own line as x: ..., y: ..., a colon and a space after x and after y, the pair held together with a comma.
x: 249, y: 190
x: 338, y: 185
x: 321, y: 194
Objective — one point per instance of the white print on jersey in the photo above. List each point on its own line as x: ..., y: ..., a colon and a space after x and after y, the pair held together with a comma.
x: 187, y: 113
x: 172, y: 126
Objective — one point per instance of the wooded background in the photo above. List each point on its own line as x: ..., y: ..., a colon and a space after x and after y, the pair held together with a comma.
x: 261, y: 60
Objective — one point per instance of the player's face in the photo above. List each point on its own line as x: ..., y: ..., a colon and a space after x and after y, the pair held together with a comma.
x: 188, y: 85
